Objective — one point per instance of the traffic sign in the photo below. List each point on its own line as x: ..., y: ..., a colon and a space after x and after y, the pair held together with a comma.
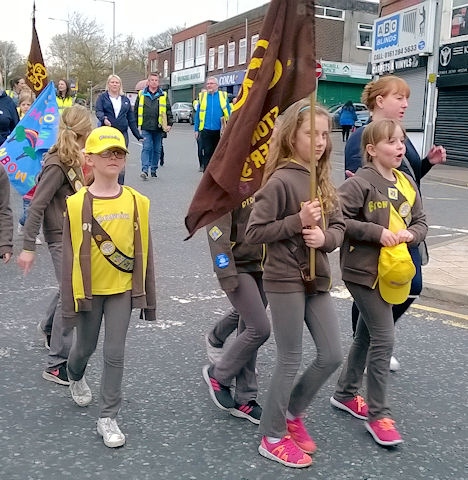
x: 318, y: 69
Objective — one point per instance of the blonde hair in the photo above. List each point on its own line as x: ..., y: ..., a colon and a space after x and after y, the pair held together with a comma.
x: 74, y: 126
x: 109, y: 78
x: 383, y: 86
x: 377, y: 131
x: 26, y: 95
x: 283, y: 150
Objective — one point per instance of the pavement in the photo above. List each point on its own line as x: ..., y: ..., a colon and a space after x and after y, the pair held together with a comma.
x: 445, y: 277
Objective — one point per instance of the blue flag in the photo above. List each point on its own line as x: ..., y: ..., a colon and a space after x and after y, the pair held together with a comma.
x: 22, y: 151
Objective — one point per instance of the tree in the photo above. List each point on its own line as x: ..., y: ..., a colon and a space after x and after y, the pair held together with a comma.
x: 11, y: 62
x: 162, y: 40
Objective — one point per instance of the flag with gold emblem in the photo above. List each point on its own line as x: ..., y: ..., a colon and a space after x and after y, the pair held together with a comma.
x: 36, y: 75
x: 281, y: 72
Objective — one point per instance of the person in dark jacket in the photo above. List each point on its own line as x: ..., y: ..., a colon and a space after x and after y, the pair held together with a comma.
x: 348, y: 118
x: 387, y: 97
x: 8, y: 114
x: 113, y: 109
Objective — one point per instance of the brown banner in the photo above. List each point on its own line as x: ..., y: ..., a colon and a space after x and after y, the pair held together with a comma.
x: 36, y: 75
x: 281, y: 71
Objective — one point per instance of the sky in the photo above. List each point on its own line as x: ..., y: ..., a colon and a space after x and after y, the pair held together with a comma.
x: 16, y: 22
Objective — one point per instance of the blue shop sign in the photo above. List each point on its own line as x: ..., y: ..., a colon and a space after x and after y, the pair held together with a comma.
x: 230, y: 78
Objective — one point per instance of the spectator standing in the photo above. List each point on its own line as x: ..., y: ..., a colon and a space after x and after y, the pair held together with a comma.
x: 348, y: 118
x: 6, y: 218
x: 113, y: 109
x: 212, y: 112
x: 17, y: 84
x: 154, y: 116
x: 64, y: 98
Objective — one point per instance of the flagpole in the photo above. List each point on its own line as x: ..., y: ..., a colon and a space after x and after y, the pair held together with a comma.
x: 313, y: 176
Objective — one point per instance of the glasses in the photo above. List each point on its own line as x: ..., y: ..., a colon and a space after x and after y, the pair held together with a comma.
x: 108, y: 153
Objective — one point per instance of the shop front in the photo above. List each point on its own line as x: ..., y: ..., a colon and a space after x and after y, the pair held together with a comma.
x: 451, y: 128
x: 186, y: 83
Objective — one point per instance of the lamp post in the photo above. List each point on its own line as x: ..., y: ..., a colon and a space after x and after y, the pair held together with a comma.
x: 113, y: 31
x: 68, y: 44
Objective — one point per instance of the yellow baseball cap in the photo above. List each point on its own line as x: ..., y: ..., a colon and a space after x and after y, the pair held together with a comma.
x: 104, y: 138
x: 396, y: 270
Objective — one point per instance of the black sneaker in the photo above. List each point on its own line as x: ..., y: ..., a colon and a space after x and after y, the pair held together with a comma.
x: 143, y: 175
x: 153, y: 174
x: 251, y: 411
x: 59, y: 375
x: 220, y: 394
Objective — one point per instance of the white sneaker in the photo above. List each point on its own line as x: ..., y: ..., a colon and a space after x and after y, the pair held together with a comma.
x: 80, y: 392
x: 214, y: 354
x: 38, y: 241
x: 20, y: 229
x: 110, y: 432
x: 394, y: 364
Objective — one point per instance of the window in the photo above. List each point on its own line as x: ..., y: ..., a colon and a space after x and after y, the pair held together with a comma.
x: 364, y: 39
x: 179, y: 56
x: 166, y: 69
x: 200, y: 49
x: 231, y: 61
x: 329, y: 12
x: 242, y: 50
x: 189, y: 53
x: 459, y: 24
x: 221, y: 57
x: 253, y: 42
x: 211, y: 59
x: 154, y: 65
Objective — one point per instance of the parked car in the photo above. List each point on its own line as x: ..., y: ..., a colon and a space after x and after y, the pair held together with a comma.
x: 182, y: 112
x: 362, y: 114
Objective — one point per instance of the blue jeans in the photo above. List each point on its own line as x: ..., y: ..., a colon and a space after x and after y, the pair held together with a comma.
x: 152, y: 142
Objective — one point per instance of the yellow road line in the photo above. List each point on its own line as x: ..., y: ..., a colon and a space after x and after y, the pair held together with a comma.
x: 461, y: 316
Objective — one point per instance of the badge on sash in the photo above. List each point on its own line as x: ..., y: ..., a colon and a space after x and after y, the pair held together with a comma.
x: 107, y: 247
x: 405, y: 209
x: 392, y: 193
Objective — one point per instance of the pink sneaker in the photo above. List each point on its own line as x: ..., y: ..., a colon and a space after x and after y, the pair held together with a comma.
x: 384, y: 432
x: 300, y: 435
x: 357, y: 406
x: 285, y: 452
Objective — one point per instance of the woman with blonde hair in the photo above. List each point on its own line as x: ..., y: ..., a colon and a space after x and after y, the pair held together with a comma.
x: 60, y: 177
x: 289, y: 222
x: 113, y: 109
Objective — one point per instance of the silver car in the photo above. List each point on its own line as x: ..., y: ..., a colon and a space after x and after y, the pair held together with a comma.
x: 182, y: 112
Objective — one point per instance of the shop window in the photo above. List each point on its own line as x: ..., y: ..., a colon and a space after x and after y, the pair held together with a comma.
x: 364, y: 37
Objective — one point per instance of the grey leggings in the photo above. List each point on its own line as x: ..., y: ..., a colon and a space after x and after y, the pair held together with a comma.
x: 289, y: 312
x: 373, y: 340
x: 253, y: 331
x: 117, y: 311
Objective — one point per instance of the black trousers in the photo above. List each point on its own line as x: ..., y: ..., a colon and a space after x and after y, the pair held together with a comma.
x: 209, y: 140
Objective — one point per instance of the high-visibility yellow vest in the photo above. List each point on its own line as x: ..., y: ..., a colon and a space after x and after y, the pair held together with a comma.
x: 64, y: 103
x: 162, y: 115
x: 203, y: 101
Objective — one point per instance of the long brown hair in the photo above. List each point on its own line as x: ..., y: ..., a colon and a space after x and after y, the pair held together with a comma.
x: 74, y: 126
x: 283, y: 151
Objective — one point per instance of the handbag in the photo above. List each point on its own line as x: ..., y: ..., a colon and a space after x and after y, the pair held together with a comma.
x: 424, y: 253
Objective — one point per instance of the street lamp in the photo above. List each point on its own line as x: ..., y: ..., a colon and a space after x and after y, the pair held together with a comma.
x: 68, y: 43
x: 113, y: 31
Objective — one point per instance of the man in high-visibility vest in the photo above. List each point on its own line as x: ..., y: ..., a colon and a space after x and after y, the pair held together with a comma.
x: 154, y: 117
x: 212, y: 112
